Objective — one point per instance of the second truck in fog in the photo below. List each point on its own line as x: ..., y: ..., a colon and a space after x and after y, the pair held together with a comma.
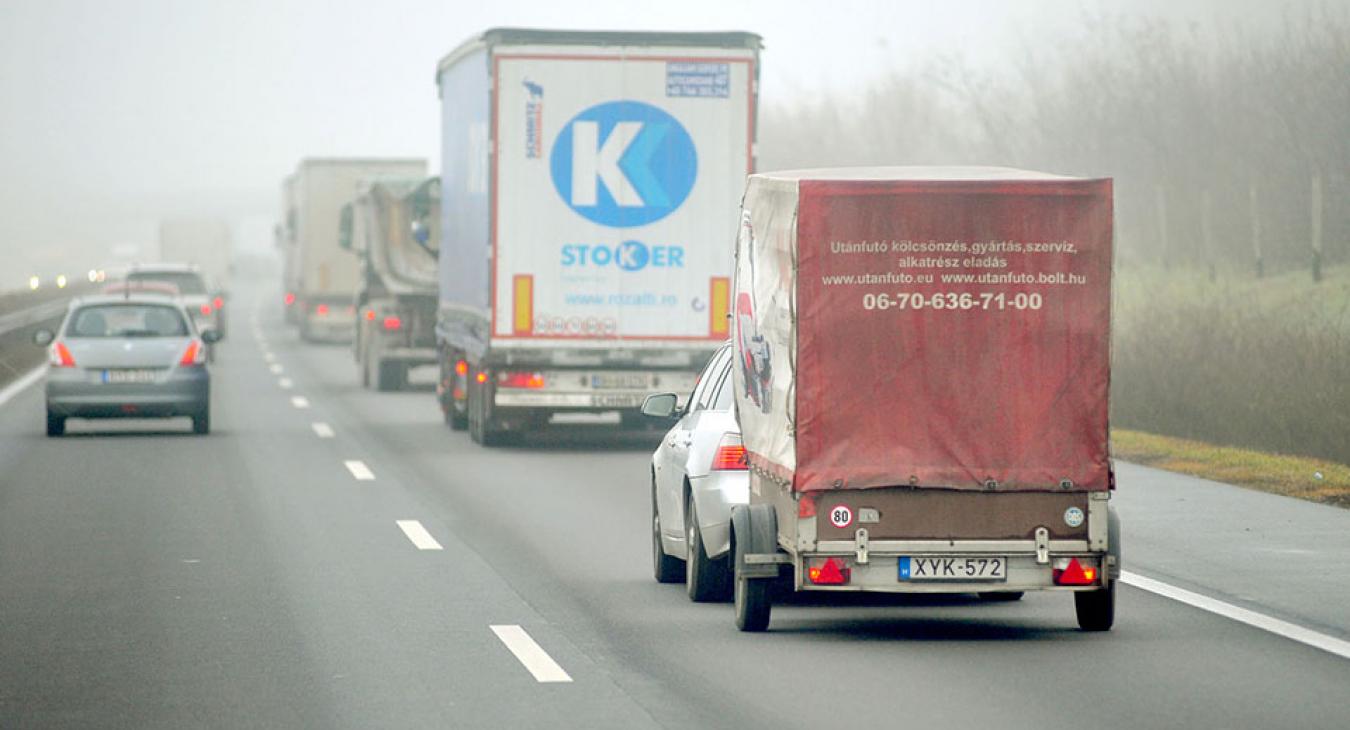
x: 589, y: 198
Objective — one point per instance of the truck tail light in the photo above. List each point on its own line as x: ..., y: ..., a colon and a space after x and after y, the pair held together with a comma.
x: 730, y: 454
x: 520, y: 380
x: 206, y: 309
x: 1071, y: 572
x: 290, y: 298
x: 481, y: 378
x: 195, y: 354
x: 321, y: 310
x: 392, y: 323
x: 59, y: 356
x: 828, y: 572
x: 218, y: 302
x: 461, y: 367
x: 370, y: 315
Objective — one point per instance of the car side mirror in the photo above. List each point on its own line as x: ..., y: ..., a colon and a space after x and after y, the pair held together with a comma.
x: 211, y: 336
x: 661, y: 405
x: 42, y: 338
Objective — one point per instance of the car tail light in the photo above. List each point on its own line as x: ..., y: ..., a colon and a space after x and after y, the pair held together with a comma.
x: 206, y: 308
x: 520, y: 380
x: 1071, y: 572
x: 806, y: 506
x: 218, y: 302
x: 195, y: 354
x: 828, y: 572
x: 730, y: 454
x: 461, y: 367
x: 59, y: 356
x: 322, y: 309
x: 392, y: 323
x: 290, y: 298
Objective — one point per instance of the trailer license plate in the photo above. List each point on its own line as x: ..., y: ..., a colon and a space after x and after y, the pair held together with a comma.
x: 957, y: 568
x: 129, y: 376
x: 625, y: 381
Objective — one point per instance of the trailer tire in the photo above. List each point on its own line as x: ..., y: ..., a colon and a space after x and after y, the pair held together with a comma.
x: 754, y: 529
x: 665, y: 569
x: 1096, y: 609
x: 706, y: 579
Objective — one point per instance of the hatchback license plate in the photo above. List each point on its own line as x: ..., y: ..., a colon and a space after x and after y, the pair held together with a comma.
x: 129, y: 376
x: 957, y: 568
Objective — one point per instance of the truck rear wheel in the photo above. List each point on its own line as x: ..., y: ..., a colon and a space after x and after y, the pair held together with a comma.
x: 481, y: 428
x: 706, y: 579
x: 1096, y: 609
x: 391, y: 376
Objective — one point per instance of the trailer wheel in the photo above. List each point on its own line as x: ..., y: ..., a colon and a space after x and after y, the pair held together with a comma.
x: 665, y: 568
x: 706, y: 579
x: 751, y: 595
x: 1096, y: 609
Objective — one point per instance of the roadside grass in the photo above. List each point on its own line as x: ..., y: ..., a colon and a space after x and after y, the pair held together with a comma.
x: 1292, y: 476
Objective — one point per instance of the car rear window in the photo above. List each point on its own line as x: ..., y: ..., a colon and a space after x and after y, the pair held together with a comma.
x: 127, y: 320
x: 188, y: 282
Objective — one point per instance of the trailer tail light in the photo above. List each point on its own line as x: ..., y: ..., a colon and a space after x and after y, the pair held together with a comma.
x: 520, y: 380
x: 730, y: 454
x: 195, y: 354
x: 206, y: 309
x: 290, y: 298
x: 461, y: 367
x: 59, y: 356
x: 828, y: 572
x: 392, y: 324
x: 806, y: 506
x: 218, y: 302
x: 321, y: 310
x: 1071, y: 572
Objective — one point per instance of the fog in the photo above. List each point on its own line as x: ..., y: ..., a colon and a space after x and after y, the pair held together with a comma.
x: 116, y: 115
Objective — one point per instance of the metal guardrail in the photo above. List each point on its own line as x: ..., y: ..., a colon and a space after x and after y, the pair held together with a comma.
x: 32, y: 315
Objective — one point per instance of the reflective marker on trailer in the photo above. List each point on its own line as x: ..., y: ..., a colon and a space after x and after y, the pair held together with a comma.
x: 1070, y: 572
x: 830, y: 572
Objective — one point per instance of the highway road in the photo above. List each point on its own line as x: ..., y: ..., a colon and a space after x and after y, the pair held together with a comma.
x: 336, y: 558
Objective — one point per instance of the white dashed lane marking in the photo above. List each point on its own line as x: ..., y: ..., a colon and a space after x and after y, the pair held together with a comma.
x: 285, y: 383
x: 533, y: 656
x: 359, y: 470
x: 299, y: 401
x: 418, y: 535
x: 322, y: 430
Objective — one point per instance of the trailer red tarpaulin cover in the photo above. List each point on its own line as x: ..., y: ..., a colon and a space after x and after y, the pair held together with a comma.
x: 932, y: 327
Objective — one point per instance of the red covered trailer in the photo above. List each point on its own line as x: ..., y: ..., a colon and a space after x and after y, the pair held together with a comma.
x: 922, y: 385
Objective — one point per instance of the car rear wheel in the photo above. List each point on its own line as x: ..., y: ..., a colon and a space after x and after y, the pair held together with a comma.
x: 1096, y: 609
x: 201, y: 423
x: 56, y: 425
x: 706, y: 579
x: 664, y: 568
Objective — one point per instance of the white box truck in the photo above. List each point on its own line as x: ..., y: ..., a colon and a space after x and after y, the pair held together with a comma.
x: 590, y: 183
x: 321, y: 277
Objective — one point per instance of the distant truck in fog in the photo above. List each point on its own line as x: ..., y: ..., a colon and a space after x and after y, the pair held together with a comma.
x: 319, y: 277
x: 393, y: 228
x: 589, y: 188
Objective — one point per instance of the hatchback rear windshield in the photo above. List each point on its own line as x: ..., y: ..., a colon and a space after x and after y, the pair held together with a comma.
x: 127, y: 320
x: 188, y: 282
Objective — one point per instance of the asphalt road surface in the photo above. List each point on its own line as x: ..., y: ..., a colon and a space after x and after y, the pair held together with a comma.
x: 337, y: 558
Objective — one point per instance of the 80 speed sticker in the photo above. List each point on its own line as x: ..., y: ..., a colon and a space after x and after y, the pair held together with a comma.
x: 841, y: 516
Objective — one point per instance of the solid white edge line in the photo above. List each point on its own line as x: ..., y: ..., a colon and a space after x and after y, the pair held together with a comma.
x: 359, y: 470
x: 299, y: 401
x: 530, y: 654
x: 322, y: 430
x: 418, y: 535
x: 24, y: 382
x: 1317, y: 640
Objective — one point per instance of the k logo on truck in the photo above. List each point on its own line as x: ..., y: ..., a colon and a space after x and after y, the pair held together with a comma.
x: 623, y: 164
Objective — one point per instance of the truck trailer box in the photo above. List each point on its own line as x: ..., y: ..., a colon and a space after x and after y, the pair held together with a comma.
x: 590, y: 183
x: 923, y: 369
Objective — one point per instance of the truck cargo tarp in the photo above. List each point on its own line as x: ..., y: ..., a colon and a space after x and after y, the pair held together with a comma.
x: 929, y: 327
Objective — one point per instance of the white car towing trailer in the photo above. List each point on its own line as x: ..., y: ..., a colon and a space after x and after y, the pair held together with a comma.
x: 589, y: 184
x: 922, y: 370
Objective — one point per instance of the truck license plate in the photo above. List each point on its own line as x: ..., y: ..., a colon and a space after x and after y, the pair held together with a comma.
x: 955, y: 568
x: 618, y: 400
x: 614, y: 381
x: 129, y: 376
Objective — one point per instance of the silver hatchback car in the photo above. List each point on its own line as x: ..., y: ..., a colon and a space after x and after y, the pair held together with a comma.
x: 127, y: 356
x: 698, y: 474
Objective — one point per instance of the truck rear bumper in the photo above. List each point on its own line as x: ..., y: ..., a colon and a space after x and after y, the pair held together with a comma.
x: 410, y: 355
x: 582, y: 401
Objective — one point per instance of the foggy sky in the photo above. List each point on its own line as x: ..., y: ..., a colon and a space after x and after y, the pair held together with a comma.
x: 116, y: 114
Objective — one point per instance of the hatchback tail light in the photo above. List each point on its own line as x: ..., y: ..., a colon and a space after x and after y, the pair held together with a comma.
x: 730, y: 454
x: 520, y: 380
x: 195, y: 354
x: 59, y: 355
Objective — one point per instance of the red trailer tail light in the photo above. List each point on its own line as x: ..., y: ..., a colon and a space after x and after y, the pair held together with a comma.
x: 195, y: 354
x: 730, y: 454
x: 520, y: 380
x: 1070, y: 572
x: 392, y: 323
x: 218, y: 302
x: 290, y: 298
x: 206, y: 308
x: 828, y: 572
x: 461, y: 367
x: 322, y: 309
x: 59, y: 356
